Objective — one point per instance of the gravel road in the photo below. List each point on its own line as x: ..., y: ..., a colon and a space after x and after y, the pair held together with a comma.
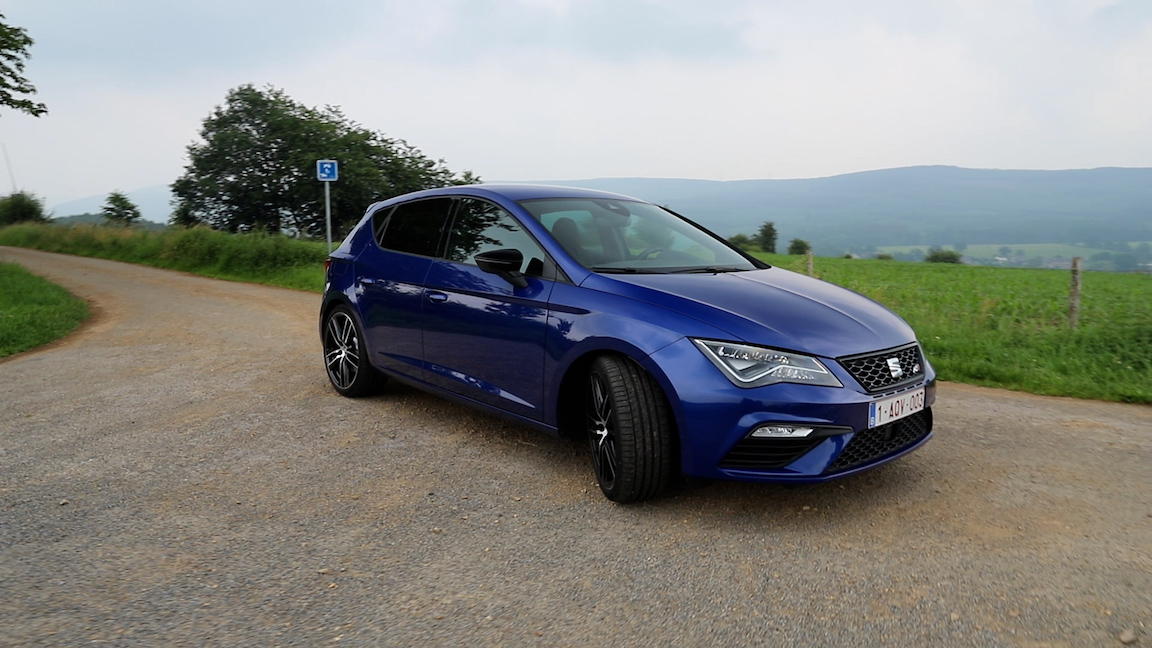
x: 179, y: 473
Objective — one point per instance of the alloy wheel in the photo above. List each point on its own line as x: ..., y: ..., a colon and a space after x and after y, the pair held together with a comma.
x: 602, y: 433
x: 341, y: 350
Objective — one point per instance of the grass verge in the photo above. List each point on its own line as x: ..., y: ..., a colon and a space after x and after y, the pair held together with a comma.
x: 34, y: 311
x: 256, y: 258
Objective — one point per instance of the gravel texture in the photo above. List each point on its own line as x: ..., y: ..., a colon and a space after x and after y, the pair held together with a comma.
x: 179, y: 473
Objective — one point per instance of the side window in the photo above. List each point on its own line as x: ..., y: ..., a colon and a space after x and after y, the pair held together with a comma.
x: 412, y: 227
x: 481, y: 226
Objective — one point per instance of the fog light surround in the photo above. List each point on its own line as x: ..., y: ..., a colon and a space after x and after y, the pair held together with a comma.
x: 776, y: 431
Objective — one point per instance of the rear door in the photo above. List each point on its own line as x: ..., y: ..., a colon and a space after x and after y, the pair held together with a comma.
x: 390, y: 281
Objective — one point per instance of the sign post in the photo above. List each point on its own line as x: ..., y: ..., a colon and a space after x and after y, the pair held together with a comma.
x: 328, y: 171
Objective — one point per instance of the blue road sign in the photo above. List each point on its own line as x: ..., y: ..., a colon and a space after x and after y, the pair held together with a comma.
x: 327, y: 170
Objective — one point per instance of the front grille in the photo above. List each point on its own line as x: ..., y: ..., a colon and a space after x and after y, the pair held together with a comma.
x: 751, y: 453
x: 874, y: 372
x: 884, y: 440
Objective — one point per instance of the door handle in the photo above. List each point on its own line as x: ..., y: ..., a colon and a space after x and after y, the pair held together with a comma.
x: 436, y: 296
x: 368, y: 281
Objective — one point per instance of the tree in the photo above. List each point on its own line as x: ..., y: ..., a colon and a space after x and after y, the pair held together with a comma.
x: 255, y: 167
x: 766, y: 237
x: 21, y: 207
x: 119, y: 210
x: 936, y: 255
x: 799, y: 246
x: 14, y: 44
x: 742, y: 241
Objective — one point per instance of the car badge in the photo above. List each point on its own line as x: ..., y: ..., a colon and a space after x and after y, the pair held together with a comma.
x: 894, y: 367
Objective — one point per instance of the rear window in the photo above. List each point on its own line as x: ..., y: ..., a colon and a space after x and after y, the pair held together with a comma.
x: 412, y: 227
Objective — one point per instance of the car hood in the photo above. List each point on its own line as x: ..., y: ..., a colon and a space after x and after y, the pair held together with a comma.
x: 773, y: 307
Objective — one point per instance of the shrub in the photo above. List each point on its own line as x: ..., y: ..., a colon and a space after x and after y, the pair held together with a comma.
x: 21, y: 207
x: 799, y: 246
x: 936, y: 255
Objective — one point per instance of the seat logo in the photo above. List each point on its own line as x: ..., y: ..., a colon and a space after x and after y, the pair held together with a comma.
x: 894, y: 367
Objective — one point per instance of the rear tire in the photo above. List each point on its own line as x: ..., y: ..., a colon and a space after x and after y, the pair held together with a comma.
x: 346, y: 357
x: 630, y: 431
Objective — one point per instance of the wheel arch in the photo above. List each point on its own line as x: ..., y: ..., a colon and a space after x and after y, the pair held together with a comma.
x: 569, y: 396
x: 330, y: 303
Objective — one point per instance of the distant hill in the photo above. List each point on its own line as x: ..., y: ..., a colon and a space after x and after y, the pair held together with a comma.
x: 858, y: 212
x: 98, y: 219
x: 155, y: 204
x: 918, y: 206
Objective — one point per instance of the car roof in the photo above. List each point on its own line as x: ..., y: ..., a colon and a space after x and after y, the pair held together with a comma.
x: 517, y: 192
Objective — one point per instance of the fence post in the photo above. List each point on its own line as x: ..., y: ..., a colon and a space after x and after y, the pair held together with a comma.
x: 808, y: 255
x: 1074, y: 296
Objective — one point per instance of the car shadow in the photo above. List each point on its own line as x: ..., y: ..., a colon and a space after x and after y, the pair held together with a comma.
x: 560, y: 463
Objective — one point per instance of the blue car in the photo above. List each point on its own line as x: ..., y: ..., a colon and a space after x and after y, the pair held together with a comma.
x: 609, y: 319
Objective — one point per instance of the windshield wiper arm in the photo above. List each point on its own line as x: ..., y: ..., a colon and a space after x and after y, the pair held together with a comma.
x: 707, y: 270
x: 613, y: 270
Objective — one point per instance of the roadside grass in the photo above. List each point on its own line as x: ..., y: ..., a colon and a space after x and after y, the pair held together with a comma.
x: 256, y: 258
x: 34, y: 311
x: 1008, y: 327
x: 999, y: 327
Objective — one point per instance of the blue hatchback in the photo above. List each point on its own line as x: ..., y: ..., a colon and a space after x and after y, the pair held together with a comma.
x: 606, y: 318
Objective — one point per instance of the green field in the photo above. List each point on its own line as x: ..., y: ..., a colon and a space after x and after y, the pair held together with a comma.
x: 1008, y: 327
x: 34, y: 312
x: 1124, y: 257
x: 1001, y: 327
x: 1045, y: 250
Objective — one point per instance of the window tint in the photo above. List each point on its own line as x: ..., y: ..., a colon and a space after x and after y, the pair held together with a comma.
x: 412, y: 227
x: 626, y: 236
x: 481, y: 226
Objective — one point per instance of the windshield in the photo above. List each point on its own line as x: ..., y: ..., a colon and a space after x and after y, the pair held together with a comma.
x: 628, y: 236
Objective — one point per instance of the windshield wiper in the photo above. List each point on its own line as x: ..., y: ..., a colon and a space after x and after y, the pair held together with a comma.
x: 618, y: 270
x: 707, y: 270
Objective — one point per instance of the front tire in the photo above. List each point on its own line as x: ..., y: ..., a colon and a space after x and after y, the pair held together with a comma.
x: 630, y: 431
x: 346, y: 357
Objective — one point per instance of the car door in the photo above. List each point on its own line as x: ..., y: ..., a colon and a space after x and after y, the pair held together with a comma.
x: 390, y: 281
x: 483, y: 337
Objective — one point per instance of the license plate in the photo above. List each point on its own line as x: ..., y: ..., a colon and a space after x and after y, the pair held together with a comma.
x: 895, y: 408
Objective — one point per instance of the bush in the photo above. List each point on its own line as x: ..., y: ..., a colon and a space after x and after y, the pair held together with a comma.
x: 799, y: 246
x: 936, y: 255
x: 744, y: 242
x: 21, y: 207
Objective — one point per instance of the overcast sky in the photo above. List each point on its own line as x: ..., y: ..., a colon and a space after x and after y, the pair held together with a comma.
x: 572, y: 89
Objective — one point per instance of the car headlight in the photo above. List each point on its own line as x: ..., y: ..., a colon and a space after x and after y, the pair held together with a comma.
x: 752, y: 366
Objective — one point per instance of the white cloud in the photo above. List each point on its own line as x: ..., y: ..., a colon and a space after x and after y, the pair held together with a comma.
x: 1121, y: 107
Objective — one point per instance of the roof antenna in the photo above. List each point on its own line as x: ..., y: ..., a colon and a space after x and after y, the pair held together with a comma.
x: 8, y: 163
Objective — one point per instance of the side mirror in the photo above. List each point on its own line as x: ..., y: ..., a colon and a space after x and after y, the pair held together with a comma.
x: 505, y: 263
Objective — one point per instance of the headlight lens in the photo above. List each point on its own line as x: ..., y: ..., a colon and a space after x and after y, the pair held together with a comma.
x: 752, y: 366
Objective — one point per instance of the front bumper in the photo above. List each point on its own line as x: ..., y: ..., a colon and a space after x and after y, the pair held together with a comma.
x: 715, y: 419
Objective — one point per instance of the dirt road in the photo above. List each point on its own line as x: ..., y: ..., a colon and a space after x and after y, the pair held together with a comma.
x: 179, y: 473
